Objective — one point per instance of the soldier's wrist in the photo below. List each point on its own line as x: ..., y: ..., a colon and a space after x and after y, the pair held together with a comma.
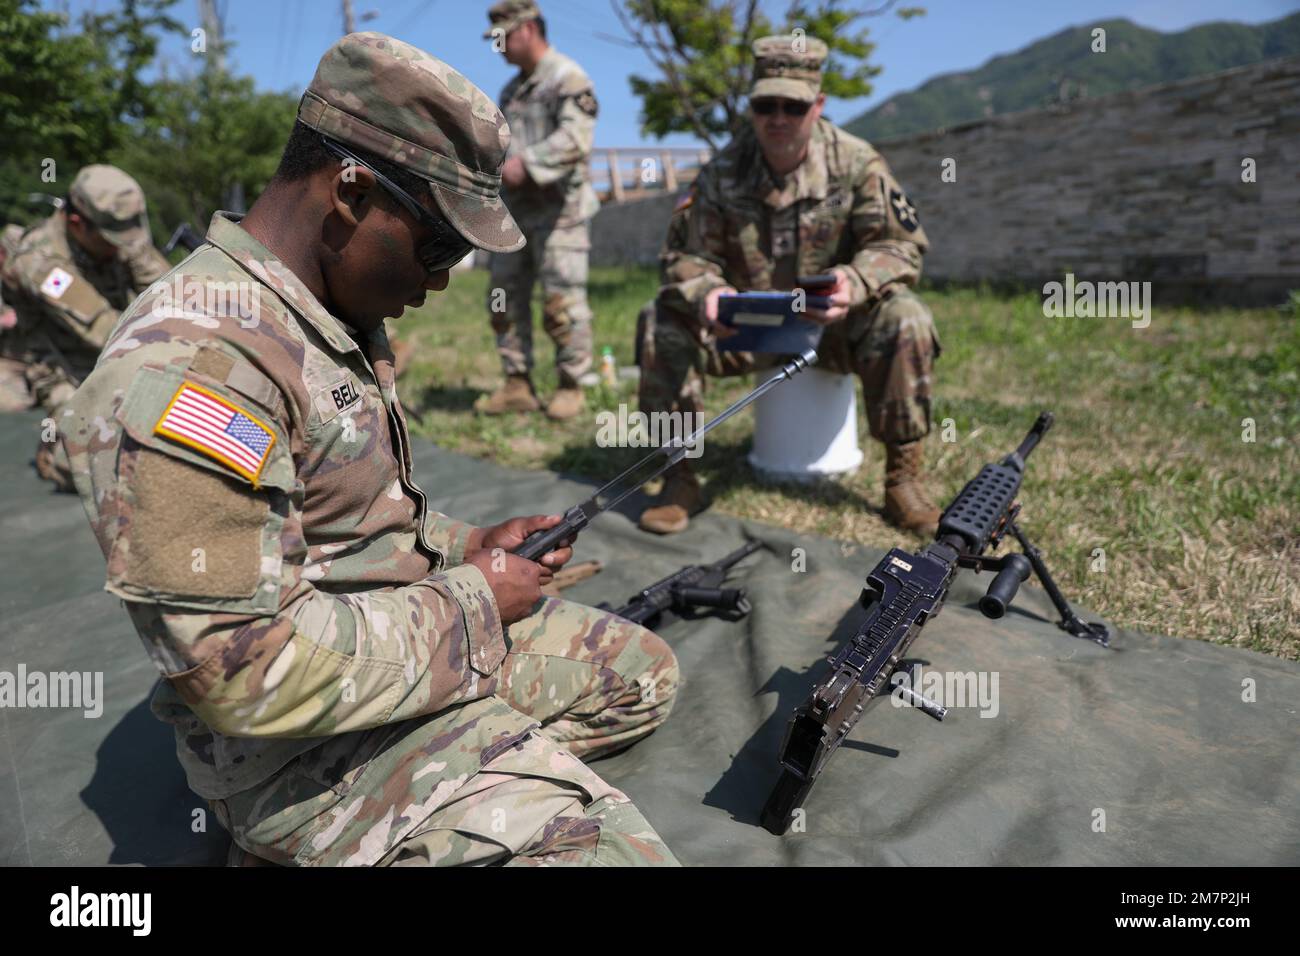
x: 473, y: 542
x: 485, y: 632
x: 860, y: 293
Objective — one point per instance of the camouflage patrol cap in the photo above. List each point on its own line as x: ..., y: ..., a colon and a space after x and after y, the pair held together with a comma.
x: 114, y: 204
x: 506, y: 15
x: 408, y: 107
x: 789, y: 66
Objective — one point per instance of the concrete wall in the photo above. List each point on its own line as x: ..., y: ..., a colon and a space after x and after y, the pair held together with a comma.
x: 1145, y: 185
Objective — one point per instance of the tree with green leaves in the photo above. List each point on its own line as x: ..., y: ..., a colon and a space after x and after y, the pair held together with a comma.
x: 211, y: 134
x: 69, y: 98
x: 75, y: 94
x: 701, y: 49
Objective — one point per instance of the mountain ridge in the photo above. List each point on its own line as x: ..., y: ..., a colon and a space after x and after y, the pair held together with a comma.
x: 1062, y: 67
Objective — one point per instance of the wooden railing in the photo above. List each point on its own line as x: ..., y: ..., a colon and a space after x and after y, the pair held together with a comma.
x: 625, y: 173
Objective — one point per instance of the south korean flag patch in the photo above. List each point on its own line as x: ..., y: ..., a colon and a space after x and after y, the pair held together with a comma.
x: 904, y: 212
x: 56, y: 283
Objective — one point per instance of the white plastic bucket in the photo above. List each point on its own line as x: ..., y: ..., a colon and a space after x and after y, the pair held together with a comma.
x: 807, y: 428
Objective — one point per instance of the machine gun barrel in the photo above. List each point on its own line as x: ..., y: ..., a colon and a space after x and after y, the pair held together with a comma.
x: 651, y: 466
x: 1036, y: 433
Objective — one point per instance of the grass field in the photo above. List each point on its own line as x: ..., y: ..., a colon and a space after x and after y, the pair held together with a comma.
x: 1147, y: 501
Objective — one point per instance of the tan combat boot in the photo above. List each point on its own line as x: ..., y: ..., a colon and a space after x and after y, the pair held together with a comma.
x: 906, y: 504
x: 565, y: 403
x: 681, y: 497
x: 516, y: 395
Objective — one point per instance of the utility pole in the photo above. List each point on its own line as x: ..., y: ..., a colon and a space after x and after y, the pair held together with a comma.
x: 350, y: 19
x: 233, y: 192
x: 212, y: 28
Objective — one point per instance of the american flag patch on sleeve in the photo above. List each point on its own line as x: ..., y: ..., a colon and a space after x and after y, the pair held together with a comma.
x: 206, y: 422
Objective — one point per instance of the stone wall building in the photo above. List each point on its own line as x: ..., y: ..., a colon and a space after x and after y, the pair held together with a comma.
x: 1193, y: 185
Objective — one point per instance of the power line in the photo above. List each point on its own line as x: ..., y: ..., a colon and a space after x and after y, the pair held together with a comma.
x: 279, y: 43
x: 296, y: 30
x: 410, y: 19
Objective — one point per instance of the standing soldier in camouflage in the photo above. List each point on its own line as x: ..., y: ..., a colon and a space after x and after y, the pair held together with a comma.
x: 794, y: 195
x: 354, y: 678
x: 71, y: 276
x: 551, y: 108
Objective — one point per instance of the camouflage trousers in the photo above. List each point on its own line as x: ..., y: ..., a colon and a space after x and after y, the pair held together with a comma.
x: 891, y: 348
x: 558, y: 256
x: 51, y: 387
x: 15, y: 395
x: 578, y: 683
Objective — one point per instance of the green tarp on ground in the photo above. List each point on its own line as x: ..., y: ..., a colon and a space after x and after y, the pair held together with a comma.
x: 1153, y: 738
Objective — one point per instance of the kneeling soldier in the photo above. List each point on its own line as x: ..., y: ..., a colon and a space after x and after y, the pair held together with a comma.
x: 70, y: 277
x: 794, y: 195
x: 353, y: 677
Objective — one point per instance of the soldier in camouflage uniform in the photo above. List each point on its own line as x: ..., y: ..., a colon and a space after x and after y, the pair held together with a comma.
x: 14, y: 394
x: 794, y: 195
x: 551, y: 108
x: 71, y: 276
x: 354, y: 678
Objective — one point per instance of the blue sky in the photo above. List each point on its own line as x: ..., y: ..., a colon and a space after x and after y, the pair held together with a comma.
x: 279, y: 41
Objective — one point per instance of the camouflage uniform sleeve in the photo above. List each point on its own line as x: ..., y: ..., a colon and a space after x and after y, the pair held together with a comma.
x: 66, y: 297
x: 888, y: 239
x: 213, y: 569
x: 449, y: 535
x: 553, y: 158
x: 147, y: 266
x: 694, y: 255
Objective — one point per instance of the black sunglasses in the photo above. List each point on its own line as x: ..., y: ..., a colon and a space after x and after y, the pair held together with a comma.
x: 768, y: 106
x: 446, y: 248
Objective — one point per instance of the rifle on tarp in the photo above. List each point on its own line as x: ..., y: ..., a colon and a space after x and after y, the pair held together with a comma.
x: 185, y: 237
x: 694, y: 586
x: 648, y: 468
x: 903, y: 593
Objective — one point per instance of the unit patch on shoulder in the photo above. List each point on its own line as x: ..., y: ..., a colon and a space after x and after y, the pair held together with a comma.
x: 903, y: 210
x: 202, y: 420
x: 586, y: 101
x: 56, y: 283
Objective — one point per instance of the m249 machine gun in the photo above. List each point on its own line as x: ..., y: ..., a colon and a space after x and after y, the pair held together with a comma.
x: 902, y: 593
